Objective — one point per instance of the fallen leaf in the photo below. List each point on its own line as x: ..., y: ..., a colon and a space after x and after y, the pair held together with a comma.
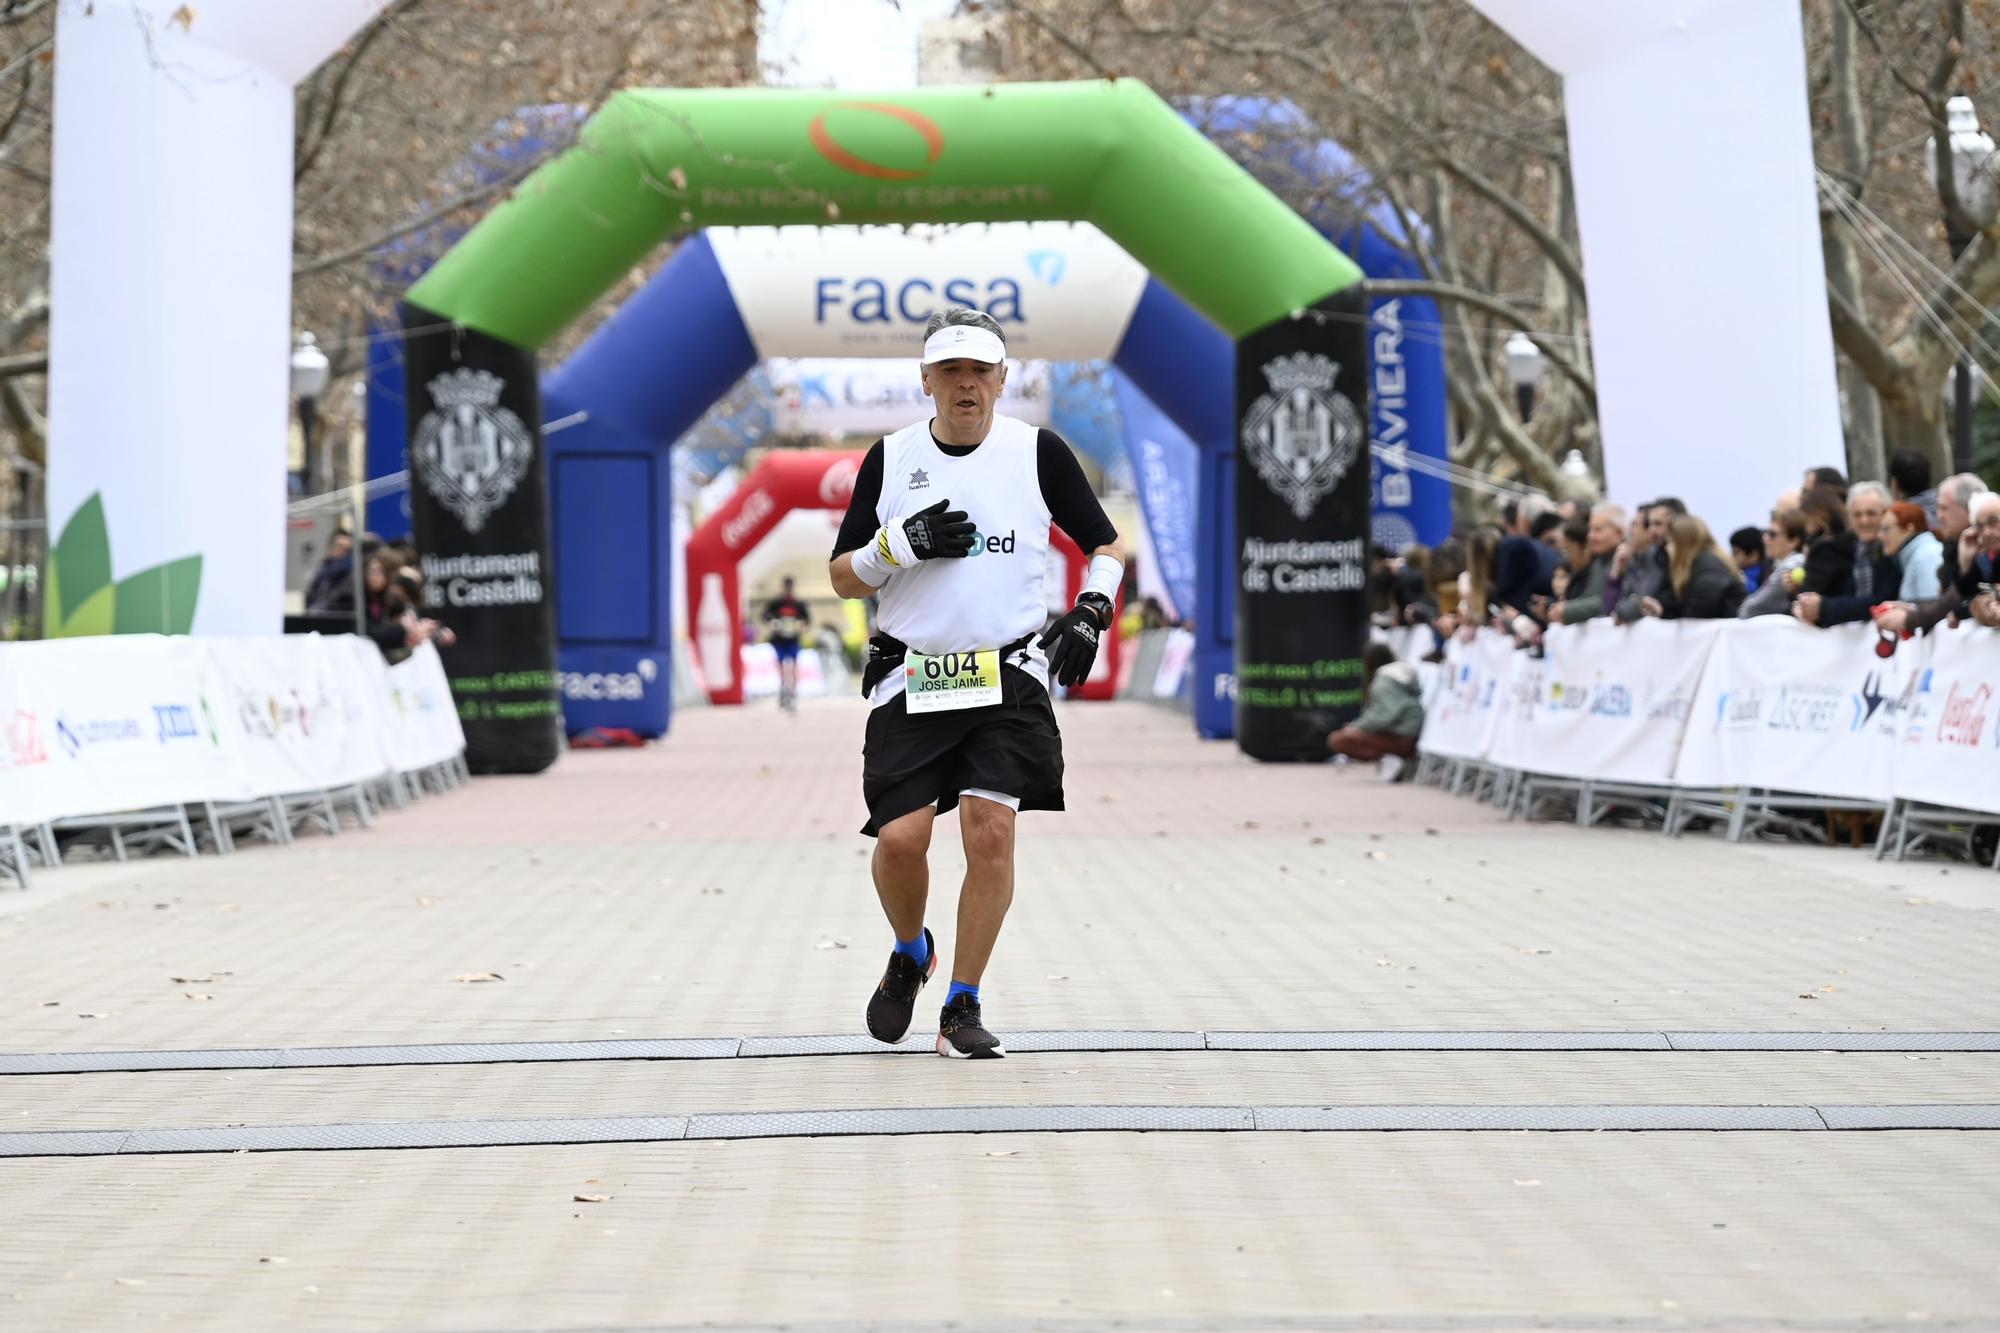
x: 1249, y: 823
x: 1807, y: 995
x: 51, y: 1004
x: 592, y: 1198
x: 190, y: 981
x: 274, y: 1259
x: 479, y: 976
x: 183, y: 18
x: 425, y: 902
x: 93, y: 1015
x: 1378, y: 856
x: 193, y: 995
x: 1006, y: 1152
x: 1383, y: 962
x: 1318, y: 841
x: 831, y: 944
x: 130, y: 1281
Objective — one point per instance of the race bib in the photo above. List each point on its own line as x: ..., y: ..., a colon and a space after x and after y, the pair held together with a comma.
x: 950, y: 681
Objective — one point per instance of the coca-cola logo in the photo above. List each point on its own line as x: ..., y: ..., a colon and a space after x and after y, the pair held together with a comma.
x: 757, y: 507
x: 1963, y: 721
x: 838, y: 482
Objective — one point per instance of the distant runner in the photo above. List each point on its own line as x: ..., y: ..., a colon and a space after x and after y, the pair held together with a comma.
x: 785, y: 621
x: 949, y: 529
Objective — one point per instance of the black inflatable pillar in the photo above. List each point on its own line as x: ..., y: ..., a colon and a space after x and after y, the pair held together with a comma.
x: 479, y: 506
x: 1302, y: 470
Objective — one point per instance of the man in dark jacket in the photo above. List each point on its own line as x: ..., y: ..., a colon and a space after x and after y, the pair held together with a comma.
x: 1877, y: 575
x: 1524, y: 565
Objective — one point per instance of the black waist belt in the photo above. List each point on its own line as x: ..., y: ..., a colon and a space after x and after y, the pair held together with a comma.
x: 886, y: 653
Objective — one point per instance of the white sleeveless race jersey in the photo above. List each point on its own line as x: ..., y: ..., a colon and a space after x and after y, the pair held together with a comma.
x: 998, y: 593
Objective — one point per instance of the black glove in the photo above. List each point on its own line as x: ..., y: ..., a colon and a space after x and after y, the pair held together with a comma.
x: 938, y: 531
x: 1071, y: 642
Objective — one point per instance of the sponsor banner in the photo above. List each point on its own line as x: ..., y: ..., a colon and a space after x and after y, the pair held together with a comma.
x: 1060, y: 291
x: 1603, y: 701
x: 479, y: 502
x: 1946, y: 720
x: 815, y: 396
x: 99, y: 725
x: 1797, y: 709
x: 108, y: 724
x: 1461, y: 715
x: 1166, y: 472
x: 1301, y: 530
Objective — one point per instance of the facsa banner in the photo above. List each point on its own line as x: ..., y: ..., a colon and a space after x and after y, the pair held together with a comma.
x: 1792, y: 708
x: 1061, y: 291
x: 1946, y: 720
x: 1604, y: 701
x: 815, y: 396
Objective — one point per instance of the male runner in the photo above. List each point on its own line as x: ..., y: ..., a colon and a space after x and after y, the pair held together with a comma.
x: 949, y: 529
x: 785, y: 618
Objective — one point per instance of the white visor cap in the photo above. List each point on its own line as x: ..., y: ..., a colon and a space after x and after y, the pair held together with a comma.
x: 966, y: 340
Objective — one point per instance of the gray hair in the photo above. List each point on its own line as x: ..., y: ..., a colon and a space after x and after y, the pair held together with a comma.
x: 1616, y: 513
x: 959, y: 314
x: 1980, y: 503
x: 1874, y: 488
x: 1533, y: 505
x: 1962, y: 488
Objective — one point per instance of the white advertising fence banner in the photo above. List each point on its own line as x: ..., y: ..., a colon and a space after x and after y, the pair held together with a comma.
x: 1766, y: 703
x: 1797, y: 709
x: 1461, y: 718
x: 1947, y: 722
x: 123, y: 722
x: 1604, y: 701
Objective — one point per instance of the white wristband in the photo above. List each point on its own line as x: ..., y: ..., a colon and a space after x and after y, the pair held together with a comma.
x: 870, y: 565
x: 1107, y: 574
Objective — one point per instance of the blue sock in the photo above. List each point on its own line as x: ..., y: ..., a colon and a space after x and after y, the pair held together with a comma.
x: 917, y: 950
x: 959, y: 988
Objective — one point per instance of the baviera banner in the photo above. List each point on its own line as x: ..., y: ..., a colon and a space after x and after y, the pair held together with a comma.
x: 480, y: 508
x: 1302, y: 499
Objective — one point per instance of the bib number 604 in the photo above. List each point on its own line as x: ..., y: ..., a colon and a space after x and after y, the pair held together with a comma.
x: 951, y: 664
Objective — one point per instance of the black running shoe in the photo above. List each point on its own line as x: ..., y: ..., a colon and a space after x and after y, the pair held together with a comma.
x: 895, y: 997
x: 963, y: 1036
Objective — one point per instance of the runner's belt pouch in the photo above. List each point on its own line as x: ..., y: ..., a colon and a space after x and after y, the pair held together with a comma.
x: 886, y: 654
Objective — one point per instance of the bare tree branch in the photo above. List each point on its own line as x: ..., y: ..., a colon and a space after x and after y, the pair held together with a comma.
x: 1863, y: 348
x: 336, y: 97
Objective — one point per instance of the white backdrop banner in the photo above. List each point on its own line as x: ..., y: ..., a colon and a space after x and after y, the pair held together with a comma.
x: 1061, y: 291
x: 124, y: 722
x: 1604, y: 701
x: 1716, y: 91
x: 171, y: 272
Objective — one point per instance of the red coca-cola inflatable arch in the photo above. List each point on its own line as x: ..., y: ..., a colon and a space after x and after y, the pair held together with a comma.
x: 784, y: 481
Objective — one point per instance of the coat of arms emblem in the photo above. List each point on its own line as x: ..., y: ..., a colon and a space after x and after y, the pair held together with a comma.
x: 1302, y: 436
x: 470, y: 452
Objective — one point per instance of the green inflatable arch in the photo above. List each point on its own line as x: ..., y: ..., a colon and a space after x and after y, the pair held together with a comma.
x: 656, y: 163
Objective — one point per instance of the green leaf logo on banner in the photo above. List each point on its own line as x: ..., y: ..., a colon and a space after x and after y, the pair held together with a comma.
x: 81, y: 598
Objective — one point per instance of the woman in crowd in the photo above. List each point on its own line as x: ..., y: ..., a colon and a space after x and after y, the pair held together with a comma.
x: 1907, y: 536
x: 1392, y: 712
x: 1476, y: 584
x: 1702, y: 583
x: 1830, y: 545
x: 1746, y: 548
x: 1784, y: 549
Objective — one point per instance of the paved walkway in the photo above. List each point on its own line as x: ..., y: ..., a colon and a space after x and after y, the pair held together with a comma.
x: 714, y: 887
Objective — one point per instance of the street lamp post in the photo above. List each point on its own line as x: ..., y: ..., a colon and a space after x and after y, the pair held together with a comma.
x: 309, y: 374
x: 1973, y: 171
x: 1524, y: 367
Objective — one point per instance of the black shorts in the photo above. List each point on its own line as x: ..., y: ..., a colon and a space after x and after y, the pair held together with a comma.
x: 1011, y: 747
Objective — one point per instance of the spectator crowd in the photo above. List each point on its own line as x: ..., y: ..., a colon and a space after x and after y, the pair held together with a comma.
x: 1907, y: 556
x: 389, y: 599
